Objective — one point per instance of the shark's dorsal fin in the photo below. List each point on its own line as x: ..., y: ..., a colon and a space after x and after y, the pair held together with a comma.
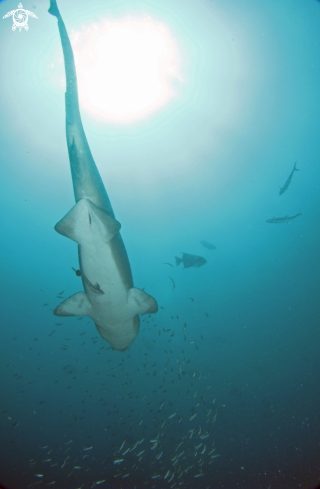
x: 139, y: 302
x: 76, y: 305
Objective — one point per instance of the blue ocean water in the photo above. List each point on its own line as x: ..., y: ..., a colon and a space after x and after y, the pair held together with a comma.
x: 236, y: 341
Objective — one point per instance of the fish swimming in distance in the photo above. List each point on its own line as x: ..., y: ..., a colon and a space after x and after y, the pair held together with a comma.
x: 109, y: 297
x: 288, y: 181
x: 190, y: 260
x: 282, y: 220
x: 173, y: 284
x: 208, y: 245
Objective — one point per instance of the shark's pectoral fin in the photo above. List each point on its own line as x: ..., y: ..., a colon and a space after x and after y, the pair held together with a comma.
x: 76, y: 305
x: 86, y: 219
x: 141, y: 303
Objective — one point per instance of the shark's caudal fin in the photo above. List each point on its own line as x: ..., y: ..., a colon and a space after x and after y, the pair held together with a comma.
x: 178, y: 261
x: 72, y: 102
x: 76, y: 305
x: 86, y: 179
x: 295, y: 168
x: 53, y: 9
x: 85, y: 220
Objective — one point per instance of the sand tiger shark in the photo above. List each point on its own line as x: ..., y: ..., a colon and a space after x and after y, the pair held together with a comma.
x: 109, y: 297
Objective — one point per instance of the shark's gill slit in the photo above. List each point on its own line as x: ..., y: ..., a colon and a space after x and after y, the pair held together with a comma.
x: 112, y: 301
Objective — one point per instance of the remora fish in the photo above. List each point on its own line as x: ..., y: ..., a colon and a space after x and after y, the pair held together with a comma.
x: 208, y: 245
x: 112, y: 303
x: 281, y: 220
x: 287, y: 182
x: 190, y: 260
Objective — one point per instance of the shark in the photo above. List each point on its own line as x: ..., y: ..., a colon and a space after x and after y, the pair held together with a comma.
x: 288, y: 181
x: 283, y: 220
x: 109, y: 297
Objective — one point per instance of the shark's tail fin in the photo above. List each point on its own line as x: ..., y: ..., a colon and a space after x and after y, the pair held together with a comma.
x: 178, y: 261
x: 72, y: 103
x: 294, y: 168
x: 53, y: 9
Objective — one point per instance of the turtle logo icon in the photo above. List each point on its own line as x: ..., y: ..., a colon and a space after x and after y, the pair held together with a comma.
x: 20, y: 18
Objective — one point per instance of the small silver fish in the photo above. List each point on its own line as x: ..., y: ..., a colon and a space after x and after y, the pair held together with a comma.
x: 121, y: 446
x: 174, y: 285
x: 118, y: 461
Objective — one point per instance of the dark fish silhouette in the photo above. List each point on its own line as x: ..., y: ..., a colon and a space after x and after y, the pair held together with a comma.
x: 174, y: 285
x: 208, y: 245
x: 190, y: 260
x: 288, y: 181
x: 282, y: 220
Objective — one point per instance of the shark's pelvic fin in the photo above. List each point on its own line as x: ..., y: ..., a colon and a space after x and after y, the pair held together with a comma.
x: 139, y: 302
x: 86, y: 219
x: 76, y: 305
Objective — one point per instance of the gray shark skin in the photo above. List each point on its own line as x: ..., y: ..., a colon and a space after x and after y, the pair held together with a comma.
x: 288, y: 181
x: 109, y: 297
x: 283, y: 220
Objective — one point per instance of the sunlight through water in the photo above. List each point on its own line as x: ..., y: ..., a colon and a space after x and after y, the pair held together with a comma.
x: 125, y: 67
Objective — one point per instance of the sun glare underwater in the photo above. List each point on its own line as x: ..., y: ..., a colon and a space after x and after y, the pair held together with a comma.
x: 124, y: 68
x: 202, y: 118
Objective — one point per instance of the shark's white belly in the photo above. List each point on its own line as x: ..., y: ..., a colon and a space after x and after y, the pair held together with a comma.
x: 99, y: 267
x: 110, y: 298
x: 110, y: 309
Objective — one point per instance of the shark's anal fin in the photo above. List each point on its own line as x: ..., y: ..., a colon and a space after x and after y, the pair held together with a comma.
x: 141, y: 303
x: 85, y: 219
x: 76, y: 305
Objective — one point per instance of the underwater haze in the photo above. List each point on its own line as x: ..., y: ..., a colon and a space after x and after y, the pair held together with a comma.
x: 220, y: 389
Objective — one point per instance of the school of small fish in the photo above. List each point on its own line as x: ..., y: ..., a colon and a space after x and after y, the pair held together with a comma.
x: 159, y: 417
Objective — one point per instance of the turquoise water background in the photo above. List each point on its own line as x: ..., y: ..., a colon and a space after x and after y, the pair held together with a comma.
x: 237, y: 341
